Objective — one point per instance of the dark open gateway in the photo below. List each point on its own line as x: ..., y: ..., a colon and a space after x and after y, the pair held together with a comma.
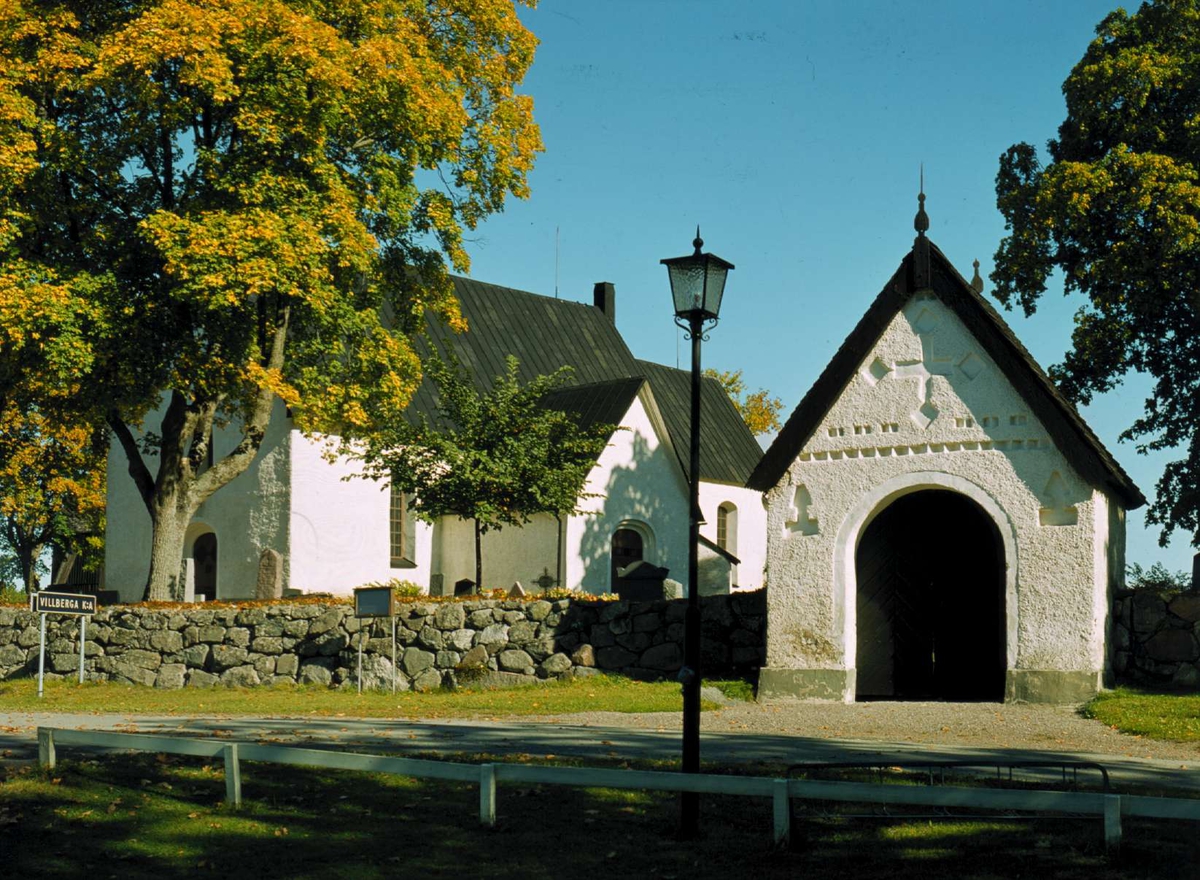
x: 930, y: 571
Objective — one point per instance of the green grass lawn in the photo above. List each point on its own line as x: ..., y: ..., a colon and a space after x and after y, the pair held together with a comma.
x: 597, y: 694
x: 147, y: 816
x: 1169, y: 716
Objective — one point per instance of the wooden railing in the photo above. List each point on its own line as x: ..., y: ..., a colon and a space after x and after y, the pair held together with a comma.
x: 1109, y: 807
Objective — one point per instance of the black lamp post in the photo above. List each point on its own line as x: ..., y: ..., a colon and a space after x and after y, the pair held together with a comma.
x: 697, y: 285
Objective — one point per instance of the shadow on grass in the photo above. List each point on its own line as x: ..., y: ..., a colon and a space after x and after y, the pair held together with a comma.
x: 154, y: 817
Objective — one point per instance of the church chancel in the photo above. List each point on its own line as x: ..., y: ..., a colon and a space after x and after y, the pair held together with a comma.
x: 941, y: 522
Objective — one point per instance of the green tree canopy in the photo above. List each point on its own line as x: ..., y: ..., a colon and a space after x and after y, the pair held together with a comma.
x: 1117, y: 211
x: 497, y: 457
x: 206, y: 205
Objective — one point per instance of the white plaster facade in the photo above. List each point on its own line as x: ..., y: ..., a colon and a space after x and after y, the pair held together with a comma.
x: 332, y: 528
x: 928, y: 408
x: 747, y: 532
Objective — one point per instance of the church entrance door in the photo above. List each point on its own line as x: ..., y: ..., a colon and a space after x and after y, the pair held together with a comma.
x: 930, y: 571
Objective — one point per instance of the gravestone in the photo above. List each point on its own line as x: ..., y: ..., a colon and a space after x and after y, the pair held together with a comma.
x: 187, y: 577
x: 1196, y: 572
x: 270, y: 575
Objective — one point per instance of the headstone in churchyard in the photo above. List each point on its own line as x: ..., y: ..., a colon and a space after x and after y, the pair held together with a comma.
x: 270, y: 575
x: 517, y: 591
x: 1196, y: 572
x: 187, y: 576
x: 437, y: 584
x: 465, y: 587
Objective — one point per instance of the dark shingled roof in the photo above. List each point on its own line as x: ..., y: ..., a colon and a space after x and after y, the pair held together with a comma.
x: 600, y: 403
x: 546, y: 333
x: 1067, y: 429
x: 728, y: 451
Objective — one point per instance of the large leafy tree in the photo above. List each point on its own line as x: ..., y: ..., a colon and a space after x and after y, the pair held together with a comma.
x: 1117, y: 211
x: 497, y: 457
x: 227, y: 202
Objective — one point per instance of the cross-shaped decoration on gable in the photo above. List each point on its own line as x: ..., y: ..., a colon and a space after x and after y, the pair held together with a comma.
x: 923, y: 371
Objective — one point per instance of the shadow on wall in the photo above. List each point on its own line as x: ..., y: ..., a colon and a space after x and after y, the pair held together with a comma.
x: 649, y: 497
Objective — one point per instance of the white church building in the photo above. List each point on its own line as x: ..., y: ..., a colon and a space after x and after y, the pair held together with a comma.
x: 294, y: 512
x: 941, y: 524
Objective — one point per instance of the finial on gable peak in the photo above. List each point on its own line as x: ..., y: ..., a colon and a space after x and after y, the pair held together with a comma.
x: 976, y: 281
x: 921, y: 221
x: 697, y: 242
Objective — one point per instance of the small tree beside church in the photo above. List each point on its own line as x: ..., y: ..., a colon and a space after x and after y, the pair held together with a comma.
x: 497, y: 457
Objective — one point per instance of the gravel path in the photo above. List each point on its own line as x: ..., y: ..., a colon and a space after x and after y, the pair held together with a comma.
x: 984, y: 725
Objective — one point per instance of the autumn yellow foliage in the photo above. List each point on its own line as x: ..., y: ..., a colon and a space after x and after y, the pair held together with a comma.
x: 208, y: 205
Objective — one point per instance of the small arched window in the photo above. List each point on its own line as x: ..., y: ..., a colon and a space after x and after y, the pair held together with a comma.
x: 727, y: 527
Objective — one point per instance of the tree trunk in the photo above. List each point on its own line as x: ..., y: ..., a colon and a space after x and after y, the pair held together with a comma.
x: 168, y: 526
x: 28, y: 555
x: 478, y: 559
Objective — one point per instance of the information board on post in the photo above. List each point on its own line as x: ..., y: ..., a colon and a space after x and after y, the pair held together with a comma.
x: 79, y: 605
x: 372, y: 603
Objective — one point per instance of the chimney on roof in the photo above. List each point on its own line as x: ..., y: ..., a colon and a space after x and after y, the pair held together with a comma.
x: 604, y: 297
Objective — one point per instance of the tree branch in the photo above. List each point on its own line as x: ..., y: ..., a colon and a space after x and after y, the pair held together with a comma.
x: 137, y: 467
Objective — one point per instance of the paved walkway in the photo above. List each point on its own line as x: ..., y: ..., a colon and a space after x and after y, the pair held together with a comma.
x: 18, y: 742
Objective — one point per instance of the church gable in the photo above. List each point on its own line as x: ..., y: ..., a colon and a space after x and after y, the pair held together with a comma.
x: 943, y: 370
x: 927, y: 387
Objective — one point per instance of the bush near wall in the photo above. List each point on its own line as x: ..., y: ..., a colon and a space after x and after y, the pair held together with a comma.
x: 1156, y: 638
x: 484, y: 642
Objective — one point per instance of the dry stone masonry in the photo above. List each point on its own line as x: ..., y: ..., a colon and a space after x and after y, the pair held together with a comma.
x: 1156, y: 639
x: 482, y: 643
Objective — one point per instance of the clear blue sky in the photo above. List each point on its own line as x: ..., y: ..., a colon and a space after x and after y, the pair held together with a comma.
x: 792, y: 132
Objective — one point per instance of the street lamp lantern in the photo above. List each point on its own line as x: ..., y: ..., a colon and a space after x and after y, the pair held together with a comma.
x: 697, y: 283
x: 697, y: 287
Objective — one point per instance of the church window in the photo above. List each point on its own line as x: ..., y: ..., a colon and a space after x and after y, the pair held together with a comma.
x: 402, y: 531
x: 727, y: 527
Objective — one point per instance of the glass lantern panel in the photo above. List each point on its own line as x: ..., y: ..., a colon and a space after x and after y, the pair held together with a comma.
x: 687, y: 287
x: 716, y: 288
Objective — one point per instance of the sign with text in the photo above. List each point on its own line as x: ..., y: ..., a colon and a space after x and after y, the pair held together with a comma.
x: 374, y: 602
x: 47, y: 602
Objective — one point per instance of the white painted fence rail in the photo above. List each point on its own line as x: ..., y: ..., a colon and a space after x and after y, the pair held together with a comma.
x: 1109, y: 807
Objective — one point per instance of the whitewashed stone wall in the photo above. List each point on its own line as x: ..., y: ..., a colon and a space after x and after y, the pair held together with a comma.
x: 927, y: 408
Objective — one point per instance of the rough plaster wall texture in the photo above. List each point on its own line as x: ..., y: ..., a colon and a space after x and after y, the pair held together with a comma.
x: 636, y: 479
x: 476, y: 643
x: 929, y: 400
x: 751, y: 547
x: 248, y: 514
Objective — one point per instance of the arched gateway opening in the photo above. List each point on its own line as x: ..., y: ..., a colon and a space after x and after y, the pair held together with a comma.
x: 930, y: 571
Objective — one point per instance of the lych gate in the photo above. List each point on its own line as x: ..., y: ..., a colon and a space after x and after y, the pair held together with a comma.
x: 941, y: 522
x: 930, y: 601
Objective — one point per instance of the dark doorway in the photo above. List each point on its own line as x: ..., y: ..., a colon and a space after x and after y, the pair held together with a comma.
x: 626, y: 549
x: 204, y: 556
x: 930, y: 624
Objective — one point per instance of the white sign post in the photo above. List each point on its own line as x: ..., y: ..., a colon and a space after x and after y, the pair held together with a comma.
x: 48, y: 602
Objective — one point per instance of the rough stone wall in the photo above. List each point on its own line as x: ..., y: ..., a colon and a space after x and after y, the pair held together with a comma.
x: 1156, y: 639
x: 475, y: 643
